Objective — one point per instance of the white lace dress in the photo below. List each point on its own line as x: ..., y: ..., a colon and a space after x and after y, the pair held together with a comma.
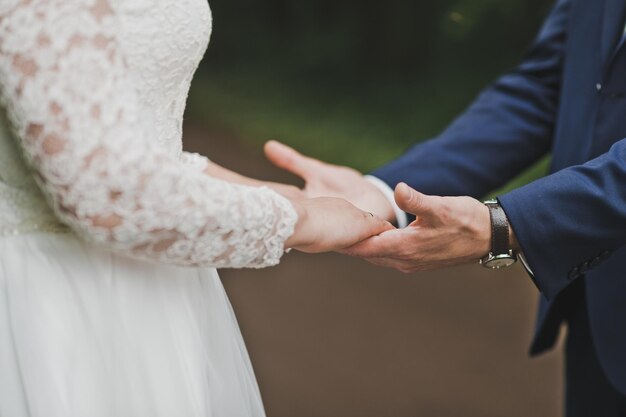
x: 109, y: 234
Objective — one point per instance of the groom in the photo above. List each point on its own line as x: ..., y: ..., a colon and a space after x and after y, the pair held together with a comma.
x: 568, y: 97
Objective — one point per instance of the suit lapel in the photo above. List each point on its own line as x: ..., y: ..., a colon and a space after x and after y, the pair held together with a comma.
x: 612, y: 28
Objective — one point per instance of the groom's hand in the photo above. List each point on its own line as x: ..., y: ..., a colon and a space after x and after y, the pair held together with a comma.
x: 326, y: 180
x: 448, y: 231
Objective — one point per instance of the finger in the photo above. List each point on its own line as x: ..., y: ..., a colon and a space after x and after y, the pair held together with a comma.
x: 379, y: 225
x: 400, y: 265
x: 287, y: 158
x: 414, y: 202
x: 388, y: 263
x: 381, y: 246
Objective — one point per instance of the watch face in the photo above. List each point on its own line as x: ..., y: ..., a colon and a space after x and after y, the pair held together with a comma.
x: 500, y: 262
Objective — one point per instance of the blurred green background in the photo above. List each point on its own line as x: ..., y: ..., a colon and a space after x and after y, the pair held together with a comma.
x: 356, y: 82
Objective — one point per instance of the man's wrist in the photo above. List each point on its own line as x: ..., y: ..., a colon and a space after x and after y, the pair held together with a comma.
x: 513, y: 243
x: 483, y: 236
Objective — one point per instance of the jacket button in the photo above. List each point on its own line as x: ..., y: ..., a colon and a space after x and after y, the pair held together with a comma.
x: 598, y: 87
x: 574, y: 274
x: 584, y: 267
x: 595, y: 262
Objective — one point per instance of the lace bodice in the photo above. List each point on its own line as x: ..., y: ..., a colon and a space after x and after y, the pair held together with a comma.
x: 95, y: 91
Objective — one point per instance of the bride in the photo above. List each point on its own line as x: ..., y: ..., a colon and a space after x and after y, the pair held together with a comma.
x: 109, y: 234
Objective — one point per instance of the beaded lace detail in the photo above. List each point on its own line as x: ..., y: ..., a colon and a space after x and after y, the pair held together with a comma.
x: 95, y: 91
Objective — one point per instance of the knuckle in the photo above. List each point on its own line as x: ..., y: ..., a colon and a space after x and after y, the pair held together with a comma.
x: 411, y: 268
x: 344, y: 171
x: 415, y: 199
x: 314, y: 163
x: 445, y: 213
x: 408, y: 254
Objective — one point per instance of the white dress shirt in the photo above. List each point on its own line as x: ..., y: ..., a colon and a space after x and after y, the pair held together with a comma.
x: 401, y: 217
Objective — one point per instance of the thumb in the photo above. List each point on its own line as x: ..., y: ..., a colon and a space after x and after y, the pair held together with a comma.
x: 413, y: 201
x: 287, y: 158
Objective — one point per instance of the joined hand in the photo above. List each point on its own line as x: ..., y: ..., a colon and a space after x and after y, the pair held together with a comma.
x: 447, y: 231
x: 327, y: 180
x: 324, y: 223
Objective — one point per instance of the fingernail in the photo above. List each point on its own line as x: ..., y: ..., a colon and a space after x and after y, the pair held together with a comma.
x: 404, y: 190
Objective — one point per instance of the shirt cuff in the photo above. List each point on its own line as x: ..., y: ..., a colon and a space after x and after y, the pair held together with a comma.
x: 401, y: 217
x: 524, y: 262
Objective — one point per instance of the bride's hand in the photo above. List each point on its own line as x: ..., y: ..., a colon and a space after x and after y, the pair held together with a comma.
x: 331, y: 224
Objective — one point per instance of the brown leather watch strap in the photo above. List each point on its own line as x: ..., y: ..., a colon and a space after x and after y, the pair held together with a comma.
x: 499, y: 229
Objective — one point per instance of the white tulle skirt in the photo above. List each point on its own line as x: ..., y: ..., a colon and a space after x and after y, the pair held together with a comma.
x: 87, y: 333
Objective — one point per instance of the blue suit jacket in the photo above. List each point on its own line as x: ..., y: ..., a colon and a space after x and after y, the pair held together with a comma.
x: 568, y: 97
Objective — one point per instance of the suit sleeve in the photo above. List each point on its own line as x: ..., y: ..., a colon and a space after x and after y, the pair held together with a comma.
x: 507, y: 128
x: 571, y: 221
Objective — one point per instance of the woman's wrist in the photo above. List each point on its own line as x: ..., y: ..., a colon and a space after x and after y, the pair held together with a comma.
x: 297, y: 238
x: 216, y: 171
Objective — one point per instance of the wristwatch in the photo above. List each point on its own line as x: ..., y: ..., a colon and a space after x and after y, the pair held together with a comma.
x: 501, y: 255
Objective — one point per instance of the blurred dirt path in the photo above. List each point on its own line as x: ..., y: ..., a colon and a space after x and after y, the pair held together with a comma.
x: 331, y: 336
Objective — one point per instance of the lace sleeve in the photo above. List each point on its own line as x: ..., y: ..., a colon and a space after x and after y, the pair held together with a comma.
x: 195, y: 160
x: 70, y: 96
